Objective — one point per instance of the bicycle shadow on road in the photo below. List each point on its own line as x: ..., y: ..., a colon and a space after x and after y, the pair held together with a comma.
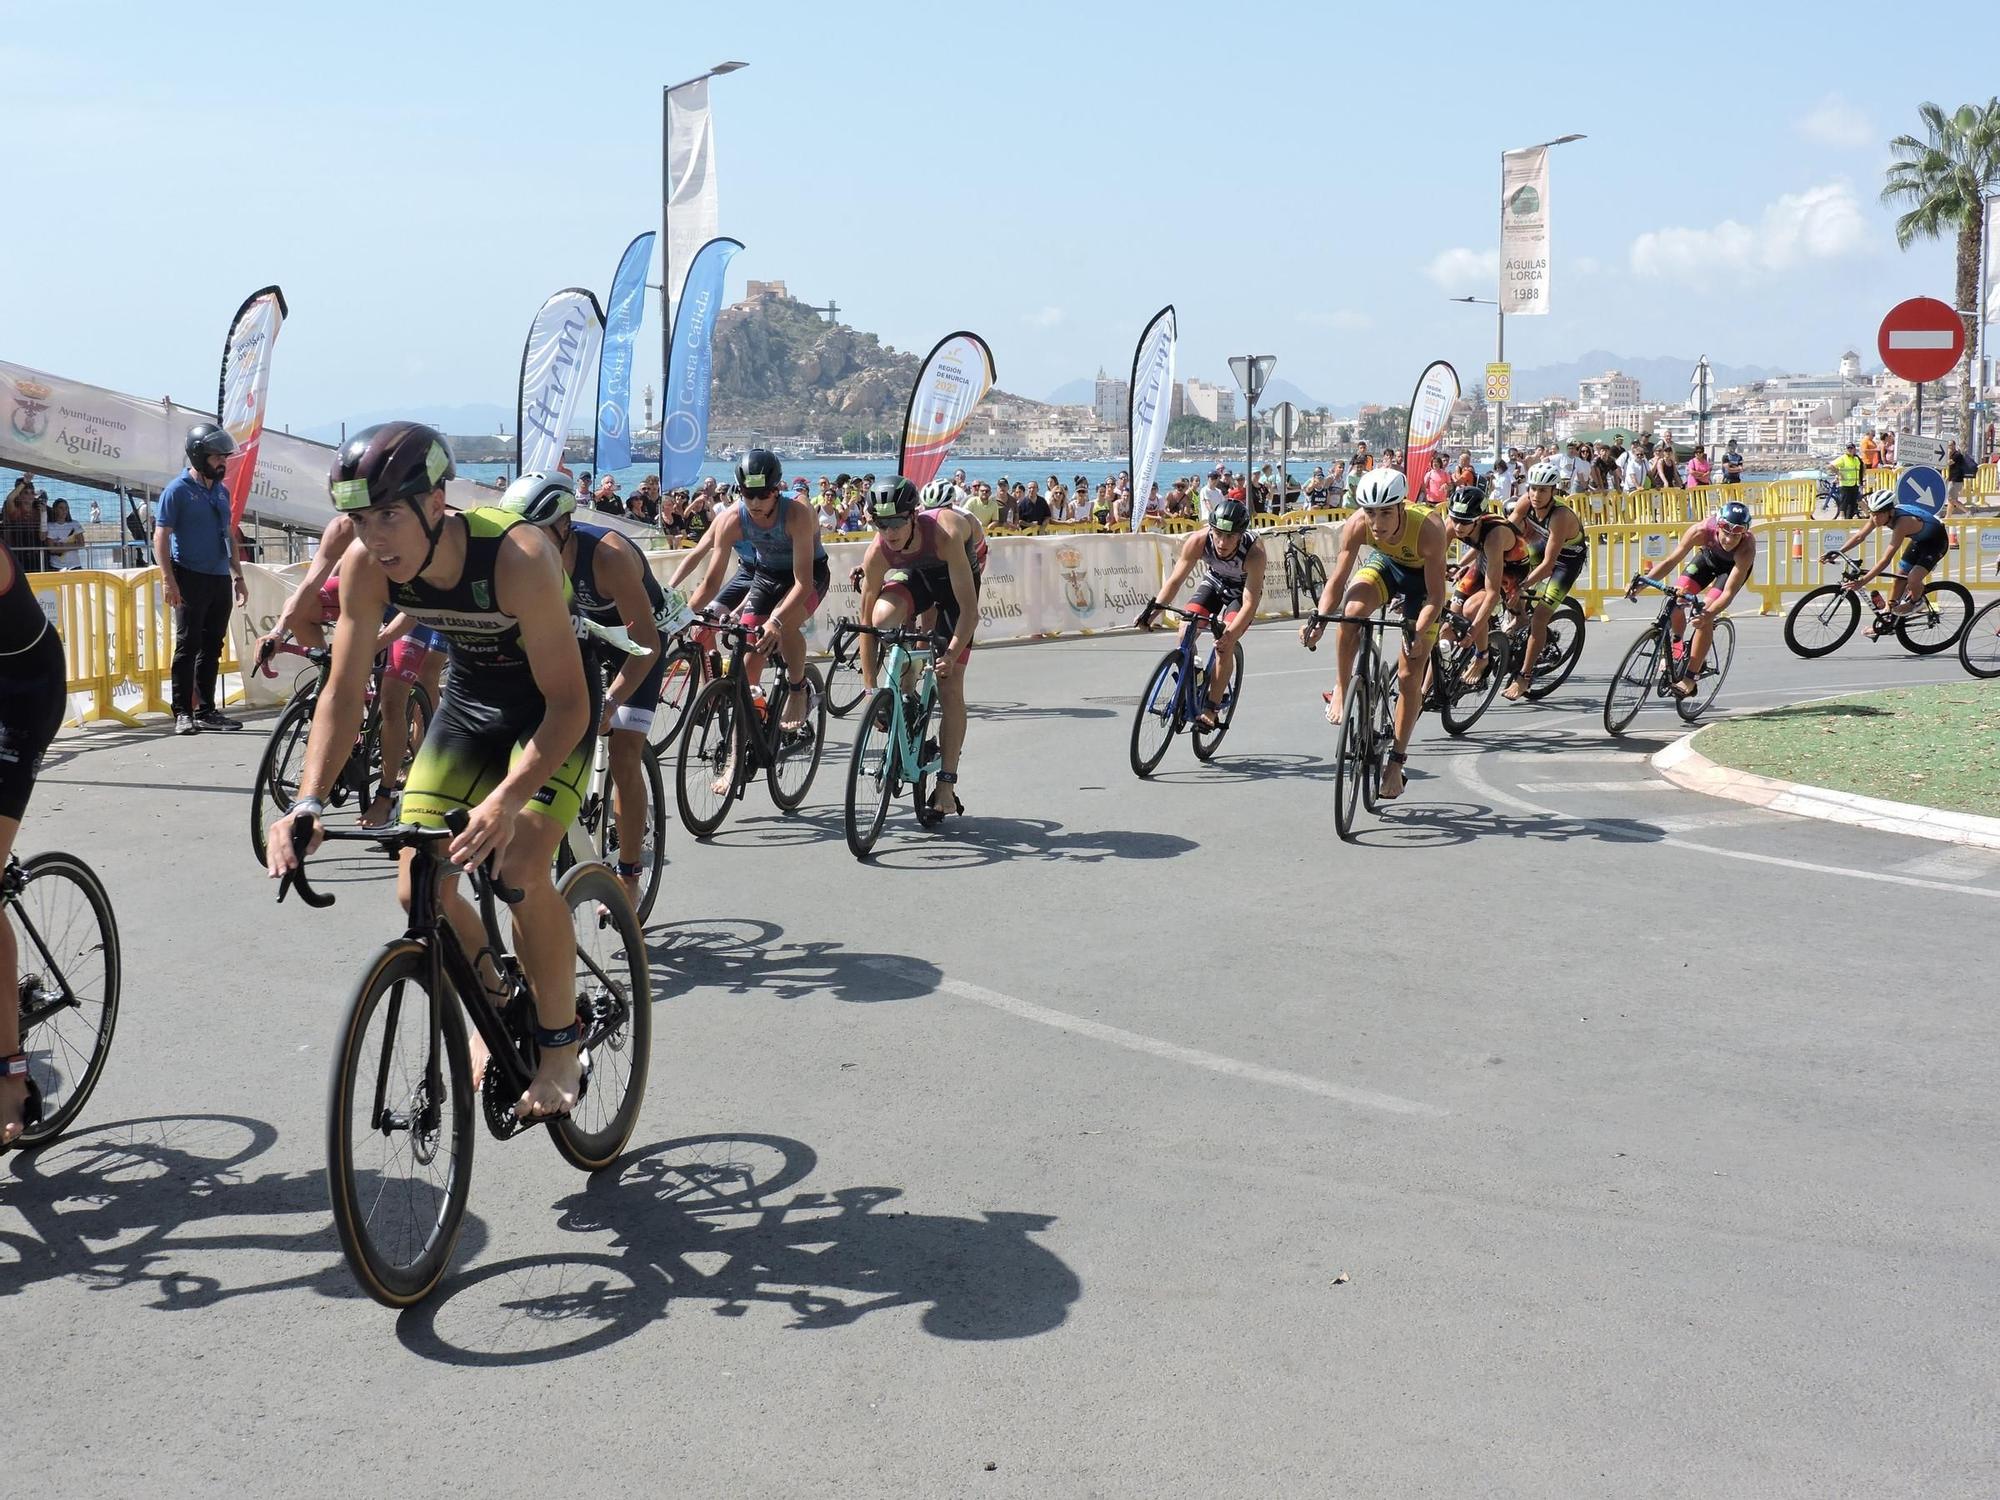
x: 745, y: 956
x: 700, y: 1219
x: 1226, y: 768
x: 1440, y: 825
x: 1015, y: 711
x: 970, y: 841
x: 170, y: 1203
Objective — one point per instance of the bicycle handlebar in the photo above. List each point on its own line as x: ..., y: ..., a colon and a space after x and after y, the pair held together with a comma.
x: 1403, y: 623
x: 907, y: 636
x: 401, y: 836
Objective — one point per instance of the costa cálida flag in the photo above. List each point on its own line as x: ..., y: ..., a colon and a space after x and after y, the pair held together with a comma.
x: 246, y: 381
x: 954, y: 379
x: 1430, y: 409
x: 1152, y: 405
x: 555, y: 367
x: 622, y: 315
x: 690, y: 366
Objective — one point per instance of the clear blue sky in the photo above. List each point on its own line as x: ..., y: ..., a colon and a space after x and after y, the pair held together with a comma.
x: 419, y: 177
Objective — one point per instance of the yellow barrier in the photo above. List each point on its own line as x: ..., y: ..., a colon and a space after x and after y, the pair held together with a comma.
x: 1987, y: 480
x: 117, y: 636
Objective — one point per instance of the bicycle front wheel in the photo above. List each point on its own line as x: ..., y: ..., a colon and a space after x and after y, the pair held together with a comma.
x: 399, y: 1129
x: 1822, y: 620
x: 679, y: 682
x: 710, y: 766
x: 277, y: 779
x: 1562, y: 648
x: 795, y: 759
x: 1714, y: 668
x: 1352, y: 757
x: 1208, y: 741
x: 1460, y: 706
x: 844, y: 687
x: 651, y: 855
x: 1938, y: 620
x: 871, y: 773
x: 1979, y: 646
x: 1633, y: 683
x: 1158, y: 717
x: 66, y: 939
x: 614, y: 1004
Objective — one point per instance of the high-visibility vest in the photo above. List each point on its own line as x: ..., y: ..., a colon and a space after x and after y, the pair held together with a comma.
x: 1847, y: 470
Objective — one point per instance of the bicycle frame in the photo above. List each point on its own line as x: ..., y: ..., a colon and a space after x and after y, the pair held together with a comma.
x: 905, y: 650
x: 39, y: 1006
x: 1191, y: 696
x: 764, y: 730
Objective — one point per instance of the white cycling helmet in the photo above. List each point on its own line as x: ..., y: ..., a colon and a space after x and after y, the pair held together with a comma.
x: 540, y: 499
x: 1381, y: 488
x: 940, y: 493
x: 1544, y: 475
x: 1881, y: 500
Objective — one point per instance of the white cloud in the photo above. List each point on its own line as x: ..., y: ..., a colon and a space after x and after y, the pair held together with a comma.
x: 1460, y: 270
x: 1346, y: 319
x: 1822, y: 223
x: 1586, y: 265
x: 1047, y: 317
x: 1835, y: 122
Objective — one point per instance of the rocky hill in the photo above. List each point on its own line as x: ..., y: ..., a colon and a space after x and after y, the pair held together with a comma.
x: 783, y: 370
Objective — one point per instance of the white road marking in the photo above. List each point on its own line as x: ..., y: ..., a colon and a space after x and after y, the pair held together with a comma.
x: 1648, y: 784
x: 1469, y: 774
x: 1027, y: 1010
x: 1702, y: 822
x: 1953, y: 862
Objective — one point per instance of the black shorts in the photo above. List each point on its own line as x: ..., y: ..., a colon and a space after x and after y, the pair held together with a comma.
x: 767, y: 590
x: 33, y: 695
x: 606, y: 661
x: 1926, y: 549
x: 479, y: 731
x: 929, y: 588
x: 1215, y: 599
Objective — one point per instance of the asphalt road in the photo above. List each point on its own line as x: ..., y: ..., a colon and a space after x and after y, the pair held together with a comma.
x: 1572, y: 1135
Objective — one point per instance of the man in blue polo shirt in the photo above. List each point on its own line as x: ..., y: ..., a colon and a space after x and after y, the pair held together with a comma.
x: 191, y: 539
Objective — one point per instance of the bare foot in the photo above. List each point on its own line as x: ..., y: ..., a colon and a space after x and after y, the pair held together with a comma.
x: 1332, y: 708
x: 1516, y: 690
x: 13, y: 1105
x: 1392, y: 780
x: 553, y: 1089
x: 944, y: 801
x: 380, y: 811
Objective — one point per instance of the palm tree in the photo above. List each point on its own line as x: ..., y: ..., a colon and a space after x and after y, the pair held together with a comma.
x: 1944, y: 181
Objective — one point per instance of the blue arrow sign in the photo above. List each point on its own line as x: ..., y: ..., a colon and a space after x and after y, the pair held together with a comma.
x: 1921, y: 488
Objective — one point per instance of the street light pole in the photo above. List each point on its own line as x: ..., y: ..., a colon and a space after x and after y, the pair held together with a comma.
x: 1253, y: 373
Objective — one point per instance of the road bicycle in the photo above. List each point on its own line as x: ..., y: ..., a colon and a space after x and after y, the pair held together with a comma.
x: 278, y: 770
x: 66, y: 941
x: 1656, y: 661
x: 1305, y: 574
x: 844, y: 684
x: 1459, y: 705
x: 593, y: 835
x: 1367, y: 718
x: 400, y: 1103
x: 1979, y: 643
x: 1824, y: 619
x: 732, y: 733
x: 1176, y: 696
x: 894, y: 747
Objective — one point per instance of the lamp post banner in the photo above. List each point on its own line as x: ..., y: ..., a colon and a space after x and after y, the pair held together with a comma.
x: 622, y: 315
x: 555, y: 364
x: 1151, y: 406
x: 1524, y: 232
x: 246, y: 380
x: 1430, y: 409
x: 951, y: 383
x: 691, y: 214
x: 684, y: 417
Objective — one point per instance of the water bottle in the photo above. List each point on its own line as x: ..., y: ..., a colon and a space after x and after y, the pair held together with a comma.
x: 757, y: 702
x: 1875, y: 598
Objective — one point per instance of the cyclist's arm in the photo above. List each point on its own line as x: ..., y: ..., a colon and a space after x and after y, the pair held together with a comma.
x: 1177, y: 574
x: 1253, y: 591
x: 1739, y: 574
x: 1351, y: 532
x: 1667, y: 564
x: 720, y: 538
x: 394, y: 630
x: 966, y: 592
x: 1897, y: 536
x: 695, y: 554
x: 797, y: 603
x: 302, y: 606
x: 1853, y: 543
x: 621, y: 575
x: 1435, y: 544
x: 874, y: 567
x: 1494, y: 563
x: 528, y: 577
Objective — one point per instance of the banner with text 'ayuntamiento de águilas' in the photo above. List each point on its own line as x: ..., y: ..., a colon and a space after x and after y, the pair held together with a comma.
x: 952, y: 382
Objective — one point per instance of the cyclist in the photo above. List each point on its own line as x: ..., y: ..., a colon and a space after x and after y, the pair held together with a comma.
x: 513, y: 732
x: 1557, y: 550
x: 1723, y: 547
x: 940, y: 493
x: 33, y: 695
x: 1406, y: 563
x: 416, y: 654
x: 1924, y: 540
x: 1232, y: 559
x: 920, y: 560
x: 777, y: 539
x: 611, y: 585
x: 1498, y: 558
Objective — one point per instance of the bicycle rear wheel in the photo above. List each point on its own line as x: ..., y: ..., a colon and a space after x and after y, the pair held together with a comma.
x: 679, y: 683
x: 1351, y: 756
x: 399, y: 1130
x: 1562, y: 648
x: 1632, y: 684
x: 871, y: 773
x: 652, y: 852
x: 1979, y: 646
x: 1721, y: 652
x: 277, y: 779
x: 1208, y: 741
x: 844, y: 687
x: 1158, y: 716
x: 795, y: 761
x: 1938, y: 620
x: 614, y: 1003
x: 1822, y: 620
x: 69, y: 970
x: 709, y: 769
x: 1459, y: 706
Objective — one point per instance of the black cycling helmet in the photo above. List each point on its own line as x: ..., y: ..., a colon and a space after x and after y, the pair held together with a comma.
x: 890, y: 499
x: 1468, y: 503
x: 1230, y: 517
x: 1733, y: 513
x: 758, y: 473
x: 389, y: 462
x: 206, y: 440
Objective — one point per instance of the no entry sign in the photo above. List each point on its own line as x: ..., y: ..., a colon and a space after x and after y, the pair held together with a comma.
x: 1921, y: 339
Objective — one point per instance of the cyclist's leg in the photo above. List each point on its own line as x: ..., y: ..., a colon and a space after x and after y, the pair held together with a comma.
x: 13, y: 1091
x: 792, y: 644
x: 1412, y: 662
x: 951, y: 718
x: 32, y: 699
x: 630, y: 723
x: 1365, y: 593
x: 1703, y: 633
x: 407, y: 659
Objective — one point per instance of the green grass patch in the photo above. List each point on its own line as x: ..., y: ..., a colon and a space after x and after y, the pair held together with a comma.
x: 1938, y: 746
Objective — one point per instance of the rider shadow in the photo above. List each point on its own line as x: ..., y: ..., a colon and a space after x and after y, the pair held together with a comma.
x: 123, y: 1204
x: 1015, y: 712
x: 970, y: 842
x: 1440, y: 825
x: 1225, y: 769
x: 744, y: 956
x: 701, y: 1220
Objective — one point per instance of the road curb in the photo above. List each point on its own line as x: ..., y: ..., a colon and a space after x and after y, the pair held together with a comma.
x: 1687, y: 767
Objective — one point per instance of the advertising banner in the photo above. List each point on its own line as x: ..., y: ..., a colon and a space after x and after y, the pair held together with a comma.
x: 953, y: 380
x: 246, y: 381
x: 684, y: 417
x: 691, y: 214
x: 1524, y: 232
x: 622, y: 316
x: 1151, y: 406
x: 556, y: 362
x: 1430, y: 410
